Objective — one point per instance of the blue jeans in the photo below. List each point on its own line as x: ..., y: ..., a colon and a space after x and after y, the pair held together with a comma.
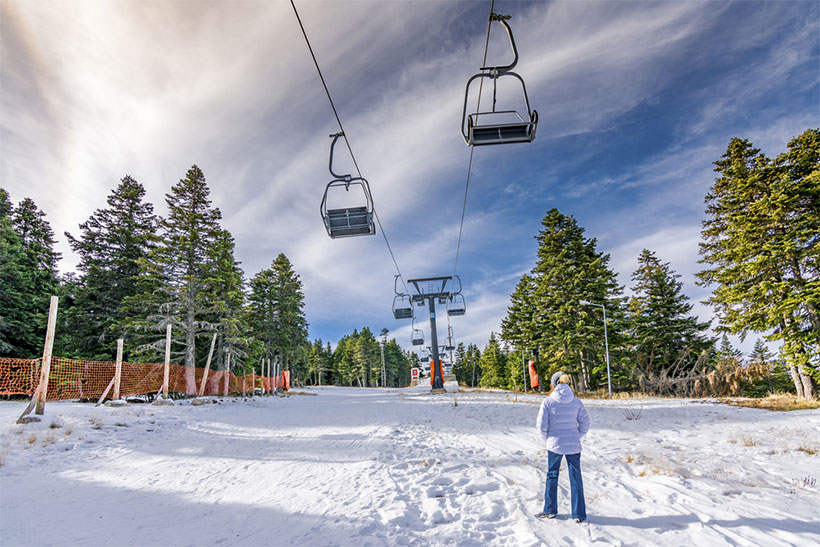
x: 576, y: 485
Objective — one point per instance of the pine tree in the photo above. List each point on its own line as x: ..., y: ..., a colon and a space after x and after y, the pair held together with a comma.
x: 176, y: 284
x: 275, y: 311
x: 663, y: 333
x: 19, y: 314
x: 226, y: 285
x: 493, y: 365
x: 515, y: 370
x: 777, y: 378
x: 28, y: 271
x: 366, y: 355
x: 111, y: 245
x: 760, y: 245
x: 546, y: 316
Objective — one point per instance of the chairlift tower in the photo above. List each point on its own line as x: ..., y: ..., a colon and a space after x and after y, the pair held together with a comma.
x: 432, y: 290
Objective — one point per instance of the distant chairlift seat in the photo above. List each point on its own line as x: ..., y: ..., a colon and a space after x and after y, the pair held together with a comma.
x: 347, y: 221
x: 417, y: 337
x: 498, y: 126
x: 456, y: 306
x: 402, y: 307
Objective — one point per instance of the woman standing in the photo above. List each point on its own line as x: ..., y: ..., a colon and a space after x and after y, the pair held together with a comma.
x: 563, y: 422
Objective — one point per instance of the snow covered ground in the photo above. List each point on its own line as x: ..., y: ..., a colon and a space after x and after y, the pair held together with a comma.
x: 403, y: 467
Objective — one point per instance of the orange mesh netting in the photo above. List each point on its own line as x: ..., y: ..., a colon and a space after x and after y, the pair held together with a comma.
x: 74, y: 379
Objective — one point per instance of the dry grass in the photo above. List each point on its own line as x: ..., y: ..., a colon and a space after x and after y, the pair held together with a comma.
x: 779, y: 402
x: 55, y: 424
x: 746, y: 440
x: 811, y: 450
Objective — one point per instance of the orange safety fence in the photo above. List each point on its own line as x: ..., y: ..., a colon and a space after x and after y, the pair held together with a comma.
x: 75, y: 379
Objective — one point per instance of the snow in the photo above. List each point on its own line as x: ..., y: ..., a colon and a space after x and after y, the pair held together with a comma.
x: 345, y: 466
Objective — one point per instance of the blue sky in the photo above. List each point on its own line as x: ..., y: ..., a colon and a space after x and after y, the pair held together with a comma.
x: 636, y: 100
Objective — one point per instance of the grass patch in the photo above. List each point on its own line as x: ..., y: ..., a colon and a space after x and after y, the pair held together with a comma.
x: 746, y: 440
x: 812, y: 450
x: 778, y: 402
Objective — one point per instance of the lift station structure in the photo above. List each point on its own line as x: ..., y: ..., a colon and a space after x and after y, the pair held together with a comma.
x: 444, y: 290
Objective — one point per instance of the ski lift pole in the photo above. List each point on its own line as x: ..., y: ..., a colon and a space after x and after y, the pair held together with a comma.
x: 438, y: 381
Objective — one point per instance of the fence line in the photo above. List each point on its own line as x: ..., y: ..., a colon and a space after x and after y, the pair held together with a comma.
x: 78, y: 379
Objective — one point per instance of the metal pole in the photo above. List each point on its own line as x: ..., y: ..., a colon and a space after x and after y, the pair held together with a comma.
x: 524, y: 362
x: 606, y: 342
x: 438, y: 381
x: 384, y: 372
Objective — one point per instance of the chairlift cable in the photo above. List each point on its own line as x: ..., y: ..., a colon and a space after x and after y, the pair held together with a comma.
x: 344, y: 134
x: 472, y: 148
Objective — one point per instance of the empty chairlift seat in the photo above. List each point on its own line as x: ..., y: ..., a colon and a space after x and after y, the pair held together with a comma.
x: 348, y: 221
x: 499, y: 126
x: 456, y: 306
x: 402, y: 307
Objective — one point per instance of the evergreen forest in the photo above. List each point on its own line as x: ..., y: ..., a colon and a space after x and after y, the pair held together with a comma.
x: 139, y: 272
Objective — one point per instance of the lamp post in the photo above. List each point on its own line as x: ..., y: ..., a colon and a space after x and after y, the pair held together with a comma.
x: 606, y: 343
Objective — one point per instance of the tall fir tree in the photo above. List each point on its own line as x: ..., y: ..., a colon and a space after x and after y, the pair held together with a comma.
x: 111, y: 244
x: 29, y: 266
x: 760, y: 245
x: 546, y: 317
x: 493, y: 365
x: 664, y: 335
x: 227, y: 312
x: 20, y: 315
x: 276, y: 311
x: 176, y: 284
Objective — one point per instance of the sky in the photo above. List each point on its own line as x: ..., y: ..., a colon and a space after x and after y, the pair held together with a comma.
x: 636, y: 100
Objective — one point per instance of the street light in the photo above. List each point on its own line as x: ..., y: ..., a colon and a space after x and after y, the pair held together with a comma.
x: 606, y: 342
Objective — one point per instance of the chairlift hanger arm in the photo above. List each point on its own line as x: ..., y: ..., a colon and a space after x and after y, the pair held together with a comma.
x: 335, y: 137
x: 504, y: 68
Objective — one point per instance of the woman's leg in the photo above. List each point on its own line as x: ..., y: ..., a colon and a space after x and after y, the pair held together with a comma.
x: 551, y: 490
x: 576, y: 485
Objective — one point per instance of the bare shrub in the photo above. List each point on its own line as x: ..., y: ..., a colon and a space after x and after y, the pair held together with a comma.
x: 55, y: 424
x: 633, y: 413
x: 812, y: 450
x: 695, y: 376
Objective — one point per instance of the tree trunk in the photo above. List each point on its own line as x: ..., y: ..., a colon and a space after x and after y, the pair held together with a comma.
x: 808, y: 385
x: 190, y: 344
x: 798, y: 383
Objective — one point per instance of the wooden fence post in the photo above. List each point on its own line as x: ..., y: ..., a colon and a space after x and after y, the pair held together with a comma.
x: 38, y: 400
x: 44, y: 372
x: 118, y: 371
x: 227, y: 373
x: 166, y: 375
x: 207, y: 367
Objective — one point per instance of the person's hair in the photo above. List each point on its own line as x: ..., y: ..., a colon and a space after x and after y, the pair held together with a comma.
x: 564, y: 379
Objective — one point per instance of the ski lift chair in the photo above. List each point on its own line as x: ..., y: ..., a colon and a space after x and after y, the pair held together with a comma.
x: 347, y: 221
x: 498, y: 126
x: 456, y: 306
x: 402, y: 307
x: 417, y: 337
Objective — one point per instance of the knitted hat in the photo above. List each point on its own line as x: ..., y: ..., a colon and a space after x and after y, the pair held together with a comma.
x: 557, y: 377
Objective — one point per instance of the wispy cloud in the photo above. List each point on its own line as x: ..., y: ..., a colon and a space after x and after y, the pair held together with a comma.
x: 149, y: 88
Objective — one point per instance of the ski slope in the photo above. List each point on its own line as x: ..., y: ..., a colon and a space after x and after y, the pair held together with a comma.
x: 345, y: 466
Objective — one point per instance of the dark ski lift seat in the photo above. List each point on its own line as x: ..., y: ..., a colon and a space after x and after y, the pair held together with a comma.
x: 402, y: 303
x: 402, y: 308
x: 456, y: 306
x: 450, y: 345
x: 498, y: 126
x: 347, y: 221
x: 417, y: 337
